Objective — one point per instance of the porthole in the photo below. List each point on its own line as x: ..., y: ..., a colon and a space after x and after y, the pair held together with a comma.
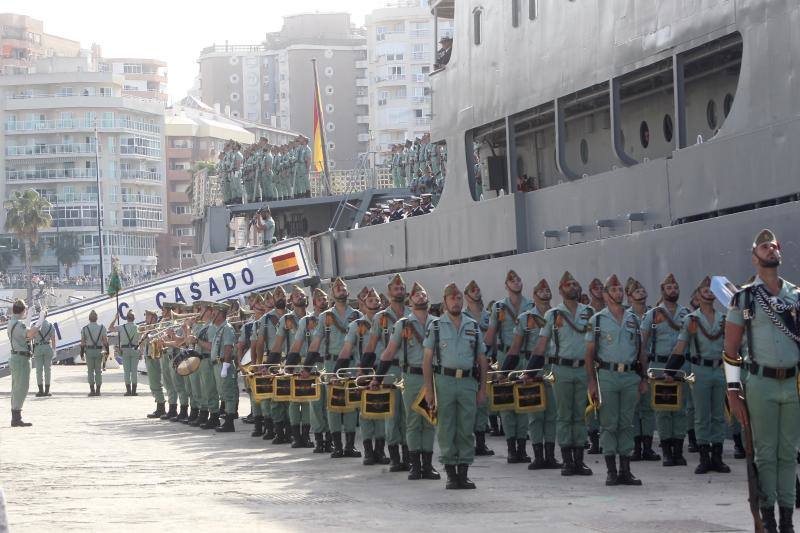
x: 584, y: 151
x: 329, y: 90
x: 331, y: 164
x: 234, y: 78
x: 727, y: 104
x: 235, y: 97
x: 668, y: 130
x: 331, y: 145
x: 711, y: 115
x: 329, y: 72
x: 329, y: 108
x: 644, y: 134
x: 330, y: 126
x: 233, y: 60
x: 328, y: 53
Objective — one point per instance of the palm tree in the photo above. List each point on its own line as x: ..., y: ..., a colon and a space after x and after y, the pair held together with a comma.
x: 26, y: 214
x: 68, y: 250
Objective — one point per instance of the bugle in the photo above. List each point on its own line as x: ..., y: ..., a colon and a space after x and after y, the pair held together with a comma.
x: 667, y: 395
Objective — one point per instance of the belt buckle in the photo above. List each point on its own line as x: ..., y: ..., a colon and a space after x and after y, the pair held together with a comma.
x: 459, y: 373
x: 780, y: 373
x: 620, y: 367
x: 746, y: 314
x: 576, y: 363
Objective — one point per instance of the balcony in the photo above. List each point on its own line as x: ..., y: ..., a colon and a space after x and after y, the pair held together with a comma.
x: 422, y: 121
x: 361, y: 64
x: 140, y: 151
x: 49, y: 149
x: 362, y: 100
x: 420, y: 99
x: 178, y: 197
x: 21, y: 102
x: 363, y: 137
x: 179, y: 220
x: 362, y: 119
x: 182, y: 152
x: 178, y: 174
x: 419, y: 34
x: 73, y: 198
x: 141, y: 175
x: 420, y: 56
x: 50, y: 174
x: 362, y: 82
x: 35, y: 126
x: 419, y: 78
x: 142, y: 199
x: 390, y: 77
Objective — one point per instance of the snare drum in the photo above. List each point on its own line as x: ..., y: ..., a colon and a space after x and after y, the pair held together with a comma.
x: 186, y: 362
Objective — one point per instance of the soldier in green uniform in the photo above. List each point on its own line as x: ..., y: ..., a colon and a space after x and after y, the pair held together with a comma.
x: 408, y: 332
x: 329, y: 337
x: 502, y: 322
x: 303, y: 168
x: 302, y: 340
x: 264, y: 331
x: 235, y: 172
x: 408, y: 162
x: 660, y: 328
x: 152, y: 364
x: 222, y: 350
x: 542, y: 425
x: 93, y: 343
x: 19, y: 361
x: 175, y: 339
x: 243, y: 346
x: 702, y: 332
x: 562, y: 338
x: 198, y: 328
x: 167, y: 354
x: 476, y: 311
x: 614, y: 368
x: 396, y: 166
x: 765, y: 314
x: 644, y: 419
x: 129, y: 340
x: 453, y: 359
x: 380, y: 333
x: 44, y: 348
x: 208, y: 367
x: 267, y: 333
x: 248, y: 179
x: 223, y: 173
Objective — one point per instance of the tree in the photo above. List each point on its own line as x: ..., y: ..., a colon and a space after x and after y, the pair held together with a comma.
x: 26, y: 214
x: 68, y: 251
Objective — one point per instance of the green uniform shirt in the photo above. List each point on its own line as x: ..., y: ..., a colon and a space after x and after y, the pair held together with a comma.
x: 383, y: 325
x: 529, y: 327
x: 211, y: 334
x: 619, y: 342
x: 482, y: 319
x: 456, y: 346
x: 358, y: 333
x: 287, y: 327
x: 410, y: 348
x: 663, y: 333
x: 571, y: 343
x: 305, y: 332
x: 771, y: 347
x: 505, y: 328
x: 92, y: 336
x: 201, y: 332
x: 709, y: 349
x: 303, y: 157
x: 267, y: 326
x: 17, y: 333
x: 332, y: 329
x: 223, y: 336
x: 41, y: 341
x: 129, y: 338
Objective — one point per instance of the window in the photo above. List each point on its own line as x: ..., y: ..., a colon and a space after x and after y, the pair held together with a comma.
x: 668, y: 128
x: 183, y: 232
x: 515, y: 7
x: 711, y: 114
x: 727, y: 104
x: 644, y: 134
x: 533, y: 9
x: 476, y: 25
x: 584, y: 151
x: 132, y: 68
x: 106, y: 91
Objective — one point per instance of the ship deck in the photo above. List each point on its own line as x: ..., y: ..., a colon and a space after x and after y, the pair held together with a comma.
x: 97, y: 464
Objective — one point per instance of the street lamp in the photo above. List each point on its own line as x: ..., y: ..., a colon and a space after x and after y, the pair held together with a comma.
x: 99, y: 226
x: 180, y: 254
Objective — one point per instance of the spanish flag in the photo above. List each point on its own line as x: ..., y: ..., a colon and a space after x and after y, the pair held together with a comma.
x: 285, y: 264
x: 318, y: 160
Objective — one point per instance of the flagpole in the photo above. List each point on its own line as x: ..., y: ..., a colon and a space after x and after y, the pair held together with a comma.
x: 318, y: 102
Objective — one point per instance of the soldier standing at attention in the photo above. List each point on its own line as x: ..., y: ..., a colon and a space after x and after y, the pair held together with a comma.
x: 562, y: 338
x: 765, y: 312
x: 476, y: 311
x: 267, y: 331
x: 644, y: 419
x: 380, y: 334
x: 502, y: 322
x: 596, y: 295
x: 702, y: 333
x: 19, y: 361
x: 302, y: 340
x: 614, y: 368
x: 660, y: 329
x: 303, y: 168
x: 167, y: 354
x: 44, y: 348
x: 222, y: 350
x: 93, y: 343
x: 129, y: 339
x: 454, y: 358
x: 329, y: 337
x: 408, y: 332
x: 153, y: 365
x: 542, y: 425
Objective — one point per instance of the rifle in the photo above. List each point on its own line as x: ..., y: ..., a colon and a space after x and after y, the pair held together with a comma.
x: 753, y: 493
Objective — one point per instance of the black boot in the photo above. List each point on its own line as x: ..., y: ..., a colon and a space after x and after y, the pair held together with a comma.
x: 350, y: 445
x: 222, y: 409
x: 280, y: 433
x: 768, y: 519
x: 666, y: 453
x: 127, y: 390
x: 97, y: 389
x: 228, y: 426
x: 647, y: 450
x: 198, y: 419
x: 637, y: 449
x: 212, y: 422
x: 183, y: 416
x: 522, y: 455
x: 705, y: 460
x: 380, y: 455
x: 93, y: 393
x: 415, y: 469
x: 550, y: 461
x: 41, y: 391
x: 692, y: 442
x: 677, y: 452
x: 786, y: 525
x: 305, y: 429
x: 512, y: 458
x: 158, y: 412
x: 328, y: 448
x: 580, y: 467
x: 193, y: 413
x: 738, y: 448
x: 337, y: 452
x: 538, y: 457
x: 47, y: 390
x: 369, y: 453
x: 480, y: 444
x: 405, y: 462
x: 428, y: 471
x: 452, y: 477
x: 568, y: 468
x: 258, y: 427
x: 494, y: 425
x: 16, y: 419
x: 173, y: 411
x: 625, y: 477
x: 716, y: 459
x: 463, y: 481
x: 269, y: 429
x: 394, y: 458
x: 594, y: 440
x: 202, y: 418
x: 249, y: 419
x: 133, y: 389
x: 320, y: 443
x: 612, y: 477
x: 297, y: 437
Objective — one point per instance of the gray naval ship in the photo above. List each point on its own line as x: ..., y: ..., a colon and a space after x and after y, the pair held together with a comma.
x: 654, y: 136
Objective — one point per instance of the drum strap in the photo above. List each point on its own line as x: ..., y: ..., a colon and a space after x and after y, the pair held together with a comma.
x: 94, y: 345
x: 44, y: 335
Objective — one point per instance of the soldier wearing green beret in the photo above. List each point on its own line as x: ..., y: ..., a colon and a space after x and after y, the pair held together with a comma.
x: 93, y: 343
x: 302, y: 341
x: 44, y: 349
x: 19, y: 361
x: 129, y: 340
x: 476, y: 311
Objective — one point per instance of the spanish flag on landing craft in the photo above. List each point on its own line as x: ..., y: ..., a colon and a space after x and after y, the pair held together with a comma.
x: 285, y: 263
x: 318, y: 163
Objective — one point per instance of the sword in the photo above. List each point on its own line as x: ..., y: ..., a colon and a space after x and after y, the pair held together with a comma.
x: 753, y: 493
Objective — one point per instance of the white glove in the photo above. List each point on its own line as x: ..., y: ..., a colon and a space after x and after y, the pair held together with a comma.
x: 224, y: 372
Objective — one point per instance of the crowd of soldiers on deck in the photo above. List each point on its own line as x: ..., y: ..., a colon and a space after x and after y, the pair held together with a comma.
x: 419, y: 165
x: 398, y: 209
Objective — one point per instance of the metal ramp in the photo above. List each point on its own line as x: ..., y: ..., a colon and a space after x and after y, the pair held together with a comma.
x: 362, y: 173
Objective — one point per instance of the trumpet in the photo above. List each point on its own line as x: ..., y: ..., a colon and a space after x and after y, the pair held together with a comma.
x: 657, y: 374
x: 396, y: 383
x: 341, y: 373
x: 519, y: 374
x: 262, y: 369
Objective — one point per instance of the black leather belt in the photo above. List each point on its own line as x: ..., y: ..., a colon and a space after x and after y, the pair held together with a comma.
x: 205, y: 355
x: 395, y: 362
x: 572, y: 363
x: 454, y: 372
x: 417, y: 370
x: 129, y: 346
x: 16, y: 352
x: 659, y: 358
x: 615, y: 367
x: 712, y: 363
x: 330, y: 357
x: 774, y: 373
